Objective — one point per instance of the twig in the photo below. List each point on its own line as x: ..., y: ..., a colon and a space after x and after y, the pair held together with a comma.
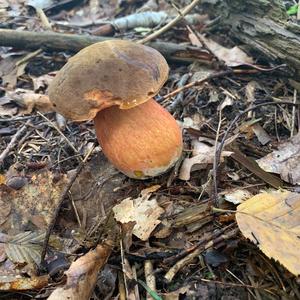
x: 59, y: 205
x: 43, y: 18
x: 173, y: 22
x: 230, y: 284
x: 238, y: 279
x: 149, y: 275
x: 191, y: 29
x: 60, y: 132
x: 180, y: 264
x: 179, y: 98
x: 12, y: 142
x: 28, y: 56
x: 221, y: 144
x: 197, y: 82
x: 184, y: 252
x: 186, y: 260
x: 293, y: 113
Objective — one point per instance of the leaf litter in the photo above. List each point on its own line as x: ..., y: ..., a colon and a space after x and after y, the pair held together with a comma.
x: 179, y: 221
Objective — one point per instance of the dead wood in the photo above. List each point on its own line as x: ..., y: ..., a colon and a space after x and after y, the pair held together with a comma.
x: 263, y: 27
x: 74, y: 42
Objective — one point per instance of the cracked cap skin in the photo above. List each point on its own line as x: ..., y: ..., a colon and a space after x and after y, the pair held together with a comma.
x: 113, y: 72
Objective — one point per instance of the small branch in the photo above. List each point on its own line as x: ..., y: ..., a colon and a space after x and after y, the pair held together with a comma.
x: 165, y: 28
x: 59, y: 205
x: 197, y: 82
x: 13, y: 142
x: 179, y: 98
x: 59, y: 131
x: 75, y: 42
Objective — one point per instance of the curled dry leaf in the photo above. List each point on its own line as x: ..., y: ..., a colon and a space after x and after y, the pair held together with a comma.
x: 284, y: 161
x: 202, y: 156
x: 82, y: 275
x: 29, y: 100
x: 142, y: 211
x: 271, y: 220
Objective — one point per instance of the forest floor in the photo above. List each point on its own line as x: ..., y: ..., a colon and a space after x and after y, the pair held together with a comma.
x: 196, y: 250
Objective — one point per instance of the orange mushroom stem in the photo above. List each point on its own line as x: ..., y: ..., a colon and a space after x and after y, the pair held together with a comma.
x: 142, y: 142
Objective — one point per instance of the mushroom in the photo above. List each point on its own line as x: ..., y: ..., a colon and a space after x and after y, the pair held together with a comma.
x: 114, y: 82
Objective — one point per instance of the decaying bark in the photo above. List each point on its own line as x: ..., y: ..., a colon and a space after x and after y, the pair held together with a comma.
x: 75, y: 42
x: 263, y: 26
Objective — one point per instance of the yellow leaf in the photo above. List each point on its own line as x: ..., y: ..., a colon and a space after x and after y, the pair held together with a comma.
x: 272, y: 221
x: 2, y: 179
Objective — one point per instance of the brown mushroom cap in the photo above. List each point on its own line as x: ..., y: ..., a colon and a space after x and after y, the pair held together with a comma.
x: 114, y: 72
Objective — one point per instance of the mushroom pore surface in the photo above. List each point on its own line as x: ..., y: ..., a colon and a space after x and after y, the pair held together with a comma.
x: 114, y: 72
x: 141, y: 142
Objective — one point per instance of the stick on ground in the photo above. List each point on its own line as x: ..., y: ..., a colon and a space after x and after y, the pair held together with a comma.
x: 12, y: 143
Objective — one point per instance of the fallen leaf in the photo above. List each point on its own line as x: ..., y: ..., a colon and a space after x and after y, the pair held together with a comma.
x: 7, y: 110
x: 5, y: 209
x: 10, y: 69
x: 25, y: 247
x: 202, y: 155
x: 228, y: 101
x: 261, y: 134
x: 37, y: 198
x: 237, y: 196
x: 96, y: 190
x: 29, y: 100
x: 271, y: 220
x: 195, y: 122
x: 41, y: 83
x: 284, y: 161
x: 15, y: 283
x: 82, y: 275
x: 233, y: 57
x: 142, y: 211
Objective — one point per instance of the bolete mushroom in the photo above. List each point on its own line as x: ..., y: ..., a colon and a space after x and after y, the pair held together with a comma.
x: 114, y: 83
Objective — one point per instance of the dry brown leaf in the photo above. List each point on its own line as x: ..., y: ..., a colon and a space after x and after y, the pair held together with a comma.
x: 142, y: 211
x: 8, y: 111
x: 41, y: 83
x: 202, y: 156
x: 29, y: 100
x: 5, y: 209
x: 233, y: 57
x: 37, y: 198
x: 284, y: 161
x: 96, y: 190
x: 15, y: 283
x: 272, y: 221
x: 82, y: 275
x: 11, y: 69
x: 237, y: 196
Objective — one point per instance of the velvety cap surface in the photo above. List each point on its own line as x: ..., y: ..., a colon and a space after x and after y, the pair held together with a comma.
x: 115, y: 72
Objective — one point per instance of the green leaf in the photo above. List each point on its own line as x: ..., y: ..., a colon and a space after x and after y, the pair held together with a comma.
x: 292, y: 10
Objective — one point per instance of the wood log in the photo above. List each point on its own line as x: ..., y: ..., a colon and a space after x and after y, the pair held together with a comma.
x: 75, y: 42
x: 263, y: 26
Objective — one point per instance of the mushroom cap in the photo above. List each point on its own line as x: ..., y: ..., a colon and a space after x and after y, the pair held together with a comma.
x: 141, y: 142
x: 114, y: 72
